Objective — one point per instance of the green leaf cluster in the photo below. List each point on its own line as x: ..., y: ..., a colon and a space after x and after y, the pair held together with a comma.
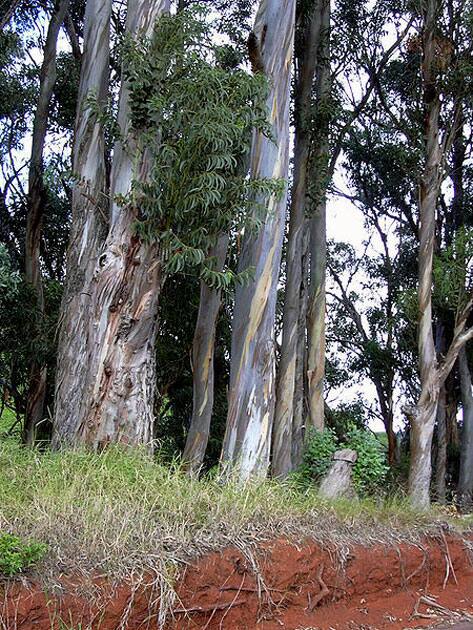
x: 452, y: 271
x: 16, y: 555
x: 369, y: 471
x: 192, y: 121
x: 9, y: 279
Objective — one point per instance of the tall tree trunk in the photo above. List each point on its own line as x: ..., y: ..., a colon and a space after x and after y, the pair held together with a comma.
x: 465, y: 483
x: 423, y: 416
x: 118, y: 405
x: 203, y: 367
x: 89, y: 219
x: 119, y: 383
x: 251, y: 397
x: 36, y: 207
x: 441, y: 459
x: 306, y: 48
x: 300, y: 387
x: 318, y: 236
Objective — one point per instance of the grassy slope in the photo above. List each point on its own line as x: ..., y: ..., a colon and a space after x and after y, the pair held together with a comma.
x: 121, y: 512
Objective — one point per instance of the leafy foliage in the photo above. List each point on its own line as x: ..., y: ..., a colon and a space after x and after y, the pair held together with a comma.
x: 369, y: 471
x: 16, y: 555
x: 9, y: 279
x: 193, y: 118
x: 320, y: 447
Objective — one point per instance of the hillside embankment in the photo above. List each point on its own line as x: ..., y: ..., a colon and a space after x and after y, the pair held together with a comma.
x: 281, y: 585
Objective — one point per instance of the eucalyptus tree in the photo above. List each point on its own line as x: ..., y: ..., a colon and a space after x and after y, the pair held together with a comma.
x: 251, y: 400
x: 168, y: 207
x: 437, y: 56
x: 36, y: 208
x: 203, y: 348
x: 327, y: 61
x: 465, y: 481
x: 310, y: 30
x: 89, y: 220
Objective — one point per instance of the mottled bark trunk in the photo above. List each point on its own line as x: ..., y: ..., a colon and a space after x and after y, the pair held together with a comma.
x: 203, y: 367
x: 316, y: 317
x: 300, y: 387
x: 318, y: 236
x: 89, y: 217
x: 307, y: 44
x: 465, y: 483
x: 35, y: 213
x: 423, y: 416
x: 251, y: 397
x: 117, y: 402
x: 441, y: 459
x: 121, y: 384
x: 420, y: 470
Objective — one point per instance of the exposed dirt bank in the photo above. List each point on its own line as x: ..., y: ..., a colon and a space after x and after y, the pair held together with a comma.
x: 296, y: 587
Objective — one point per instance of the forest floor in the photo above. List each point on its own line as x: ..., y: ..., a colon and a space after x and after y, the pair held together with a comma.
x: 135, y: 544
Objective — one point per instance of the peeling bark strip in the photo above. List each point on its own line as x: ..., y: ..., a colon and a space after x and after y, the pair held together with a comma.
x: 306, y: 49
x: 36, y: 206
x: 251, y: 397
x: 89, y: 210
x: 203, y: 367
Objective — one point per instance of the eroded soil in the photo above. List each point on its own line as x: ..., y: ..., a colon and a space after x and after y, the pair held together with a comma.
x: 295, y: 587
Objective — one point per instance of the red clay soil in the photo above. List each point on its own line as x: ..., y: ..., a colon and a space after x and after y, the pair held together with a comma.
x: 304, y: 588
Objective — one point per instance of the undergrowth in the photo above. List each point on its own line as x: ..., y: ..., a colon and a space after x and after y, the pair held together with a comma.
x: 16, y: 555
x: 121, y: 511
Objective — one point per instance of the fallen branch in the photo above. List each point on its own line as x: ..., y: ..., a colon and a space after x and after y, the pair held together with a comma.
x: 430, y: 603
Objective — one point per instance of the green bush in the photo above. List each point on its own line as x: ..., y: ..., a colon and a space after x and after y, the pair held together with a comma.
x: 17, y: 555
x: 319, y: 449
x: 369, y: 471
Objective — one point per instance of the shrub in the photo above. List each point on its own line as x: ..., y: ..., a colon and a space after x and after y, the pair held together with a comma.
x: 369, y: 471
x: 319, y: 449
x: 17, y: 555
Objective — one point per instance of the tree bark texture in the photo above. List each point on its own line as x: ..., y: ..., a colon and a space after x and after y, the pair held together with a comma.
x: 306, y: 48
x: 203, y: 367
x: 251, y: 398
x: 300, y: 387
x: 88, y: 229
x: 120, y: 380
x: 121, y: 384
x: 441, y: 459
x: 318, y: 236
x: 465, y: 483
x: 35, y: 213
x: 423, y: 416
